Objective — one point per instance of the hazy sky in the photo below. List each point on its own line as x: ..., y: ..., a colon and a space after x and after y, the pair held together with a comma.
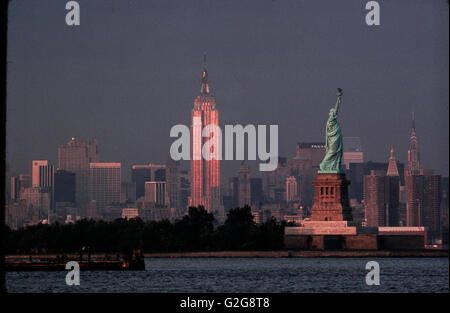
x: 132, y: 69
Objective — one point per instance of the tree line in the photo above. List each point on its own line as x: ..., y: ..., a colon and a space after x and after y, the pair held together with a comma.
x: 196, y: 231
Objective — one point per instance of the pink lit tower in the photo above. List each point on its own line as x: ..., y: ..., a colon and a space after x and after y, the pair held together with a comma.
x: 205, y: 174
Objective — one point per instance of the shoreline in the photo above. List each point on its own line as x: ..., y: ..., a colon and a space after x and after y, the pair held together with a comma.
x: 264, y: 254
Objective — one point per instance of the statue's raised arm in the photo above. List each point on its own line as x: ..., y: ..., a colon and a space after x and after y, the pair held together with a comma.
x: 339, y: 95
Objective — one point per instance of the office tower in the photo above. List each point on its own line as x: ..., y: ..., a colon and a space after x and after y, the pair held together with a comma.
x: 75, y: 156
x: 234, y: 188
x: 15, y: 188
x: 413, y: 151
x: 381, y: 198
x: 353, y: 152
x: 444, y: 210
x: 244, y: 186
x: 314, y: 151
x: 432, y: 204
x: 156, y: 193
x: 304, y: 168
x: 256, y: 190
x: 144, y: 173
x: 43, y: 177
x: 65, y: 186
x: 393, y: 181
x: 18, y: 183
x: 37, y: 201
x: 173, y: 182
x: 128, y: 192
x: 185, y: 188
x: 291, y: 189
x: 205, y: 174
x: 423, y: 201
x: 375, y: 198
x: 275, y: 182
x: 356, y: 176
x: 35, y: 172
x: 104, y: 183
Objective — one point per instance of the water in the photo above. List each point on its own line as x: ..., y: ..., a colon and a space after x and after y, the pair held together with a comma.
x: 249, y: 275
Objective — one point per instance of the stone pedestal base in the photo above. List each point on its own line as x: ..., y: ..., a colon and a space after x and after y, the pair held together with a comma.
x: 331, y: 198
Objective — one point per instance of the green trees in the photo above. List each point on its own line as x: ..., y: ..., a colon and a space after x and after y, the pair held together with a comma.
x: 194, y: 232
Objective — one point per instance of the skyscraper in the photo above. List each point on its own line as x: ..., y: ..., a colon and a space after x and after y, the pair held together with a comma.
x: 304, y: 168
x: 353, y: 152
x: 144, y: 173
x: 75, y: 157
x: 65, y: 186
x: 173, y: 182
x: 42, y: 176
x: 19, y: 183
x: 205, y: 174
x: 413, y: 151
x: 382, y: 195
x: 291, y: 189
x: 104, y: 183
x: 156, y: 193
x: 423, y: 201
x: 36, y: 176
x: 244, y: 186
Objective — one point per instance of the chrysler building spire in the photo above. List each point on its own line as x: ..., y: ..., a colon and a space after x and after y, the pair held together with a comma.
x: 413, y: 151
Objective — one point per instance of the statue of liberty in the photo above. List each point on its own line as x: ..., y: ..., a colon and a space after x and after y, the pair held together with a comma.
x: 331, y: 163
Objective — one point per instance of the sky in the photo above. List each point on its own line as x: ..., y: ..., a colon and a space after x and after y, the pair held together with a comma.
x: 131, y: 70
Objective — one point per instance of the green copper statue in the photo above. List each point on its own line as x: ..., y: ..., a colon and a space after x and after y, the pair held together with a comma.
x: 331, y: 163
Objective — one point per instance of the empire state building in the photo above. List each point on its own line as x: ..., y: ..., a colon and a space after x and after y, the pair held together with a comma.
x: 205, y: 174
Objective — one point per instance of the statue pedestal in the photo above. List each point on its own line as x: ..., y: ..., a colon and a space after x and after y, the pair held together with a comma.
x: 331, y: 198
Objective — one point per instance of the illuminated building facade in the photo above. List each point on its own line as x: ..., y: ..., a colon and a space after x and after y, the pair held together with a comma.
x: 205, y: 174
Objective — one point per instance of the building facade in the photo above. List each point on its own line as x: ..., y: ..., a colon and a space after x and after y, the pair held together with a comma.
x: 104, y: 183
x: 75, y: 156
x: 205, y: 174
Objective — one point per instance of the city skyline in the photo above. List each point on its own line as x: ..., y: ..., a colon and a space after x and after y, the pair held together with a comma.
x: 264, y: 74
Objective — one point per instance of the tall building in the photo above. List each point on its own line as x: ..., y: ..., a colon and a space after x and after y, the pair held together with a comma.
x: 144, y: 173
x: 104, y: 183
x: 291, y: 189
x: 185, y: 188
x: 413, y: 151
x: 75, y: 156
x: 36, y: 172
x: 382, y: 195
x: 244, y: 189
x: 205, y: 174
x: 423, y: 202
x: 275, y: 182
x: 65, y: 186
x: 353, y: 152
x: 128, y: 192
x: 19, y: 183
x: 304, y: 168
x: 256, y: 190
x: 173, y: 181
x: 42, y: 175
x: 358, y: 170
x: 393, y: 181
x: 314, y: 151
x: 156, y: 193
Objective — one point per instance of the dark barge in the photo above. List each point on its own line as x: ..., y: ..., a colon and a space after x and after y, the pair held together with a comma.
x: 127, y: 263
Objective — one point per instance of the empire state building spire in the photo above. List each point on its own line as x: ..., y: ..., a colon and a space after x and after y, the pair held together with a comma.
x: 205, y: 87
